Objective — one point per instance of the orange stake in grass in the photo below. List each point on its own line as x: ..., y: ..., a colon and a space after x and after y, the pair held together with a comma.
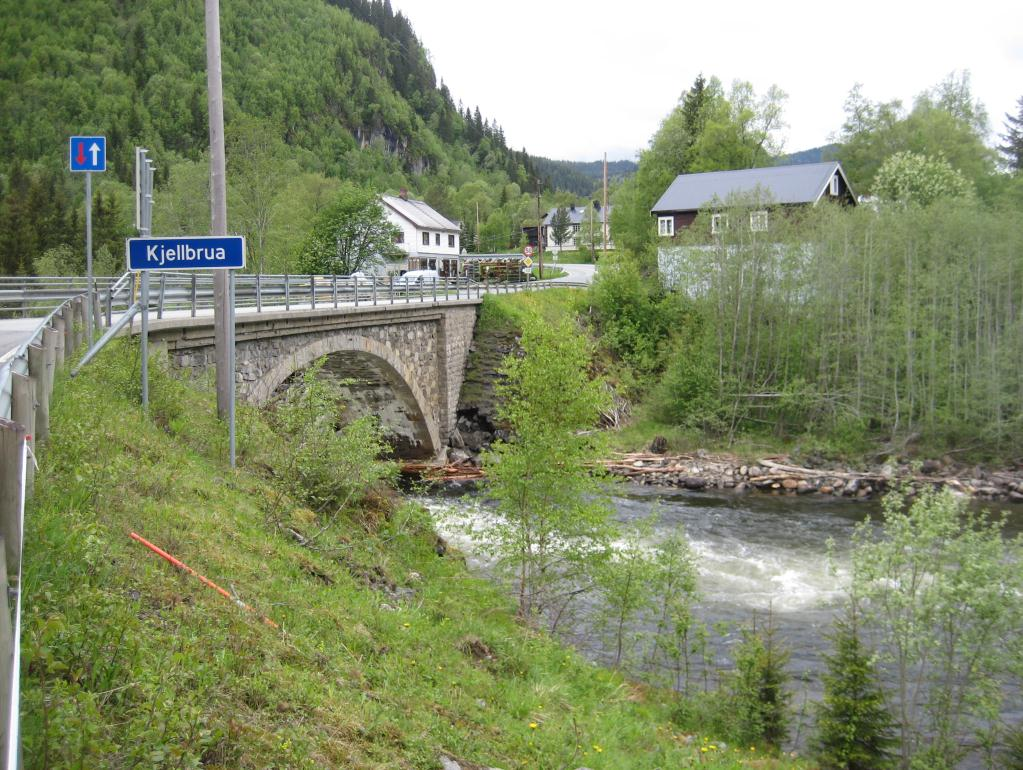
x: 202, y: 578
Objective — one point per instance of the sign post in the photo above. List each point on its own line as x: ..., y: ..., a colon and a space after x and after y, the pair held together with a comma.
x: 87, y: 154
x: 199, y: 252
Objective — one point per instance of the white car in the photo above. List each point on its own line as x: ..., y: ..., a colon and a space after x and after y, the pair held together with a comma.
x: 417, y: 278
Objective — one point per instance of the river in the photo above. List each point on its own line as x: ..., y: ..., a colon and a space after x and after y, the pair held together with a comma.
x: 755, y: 553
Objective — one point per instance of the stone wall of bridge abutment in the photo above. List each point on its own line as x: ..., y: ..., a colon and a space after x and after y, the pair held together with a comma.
x: 420, y: 347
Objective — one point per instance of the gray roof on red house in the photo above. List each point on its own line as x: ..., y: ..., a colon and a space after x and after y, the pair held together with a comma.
x: 419, y: 213
x: 801, y: 183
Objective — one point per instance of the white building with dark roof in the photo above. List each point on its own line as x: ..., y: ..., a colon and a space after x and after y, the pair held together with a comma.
x: 430, y: 239
x: 582, y: 217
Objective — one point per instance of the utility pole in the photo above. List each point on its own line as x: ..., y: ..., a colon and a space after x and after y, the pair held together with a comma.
x: 603, y: 211
x: 478, y: 251
x: 539, y: 229
x: 223, y: 280
x: 593, y: 248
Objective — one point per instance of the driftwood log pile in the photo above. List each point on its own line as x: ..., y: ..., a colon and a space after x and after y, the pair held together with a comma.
x: 775, y: 475
x: 450, y: 472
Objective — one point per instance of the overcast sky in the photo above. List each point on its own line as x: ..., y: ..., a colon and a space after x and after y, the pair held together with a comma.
x: 575, y: 80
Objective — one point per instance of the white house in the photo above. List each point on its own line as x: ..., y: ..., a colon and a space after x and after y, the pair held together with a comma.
x: 428, y: 237
x: 582, y: 218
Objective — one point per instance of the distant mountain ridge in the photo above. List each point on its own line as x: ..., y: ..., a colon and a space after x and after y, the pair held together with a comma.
x: 579, y: 176
x: 812, y: 155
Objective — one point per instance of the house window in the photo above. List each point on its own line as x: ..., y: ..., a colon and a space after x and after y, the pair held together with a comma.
x: 399, y: 237
x: 436, y: 239
x: 758, y: 221
x: 426, y: 239
x: 451, y: 241
x: 718, y: 223
x: 834, y: 185
x: 666, y: 226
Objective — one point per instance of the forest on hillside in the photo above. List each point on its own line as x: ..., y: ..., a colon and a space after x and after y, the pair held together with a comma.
x: 315, y: 92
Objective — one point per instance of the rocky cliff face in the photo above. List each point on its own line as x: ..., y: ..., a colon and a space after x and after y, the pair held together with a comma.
x: 477, y: 423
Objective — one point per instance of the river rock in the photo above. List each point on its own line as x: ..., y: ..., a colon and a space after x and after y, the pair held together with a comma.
x: 1016, y: 497
x: 694, y: 482
x: 805, y: 488
x: 931, y: 466
x: 790, y: 483
x: 825, y: 489
x: 744, y: 471
x: 456, y: 456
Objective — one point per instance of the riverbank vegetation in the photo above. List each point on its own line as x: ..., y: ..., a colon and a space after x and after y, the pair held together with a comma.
x: 890, y: 329
x: 388, y: 653
x: 932, y: 585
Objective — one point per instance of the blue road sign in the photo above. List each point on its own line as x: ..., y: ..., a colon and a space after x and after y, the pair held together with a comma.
x: 88, y: 153
x: 187, y: 253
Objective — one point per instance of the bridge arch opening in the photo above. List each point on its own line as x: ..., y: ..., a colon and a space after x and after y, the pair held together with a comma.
x: 374, y: 381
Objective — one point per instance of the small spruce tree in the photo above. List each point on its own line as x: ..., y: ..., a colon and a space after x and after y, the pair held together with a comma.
x: 561, y: 226
x: 759, y: 699
x: 854, y: 727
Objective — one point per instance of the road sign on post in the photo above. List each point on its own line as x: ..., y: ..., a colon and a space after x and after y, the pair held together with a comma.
x: 206, y: 252
x: 88, y: 153
x: 527, y: 252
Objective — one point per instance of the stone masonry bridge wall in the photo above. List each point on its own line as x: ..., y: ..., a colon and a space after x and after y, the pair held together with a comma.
x: 418, y: 352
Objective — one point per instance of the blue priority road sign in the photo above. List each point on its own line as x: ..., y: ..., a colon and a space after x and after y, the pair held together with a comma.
x: 213, y: 252
x: 88, y: 153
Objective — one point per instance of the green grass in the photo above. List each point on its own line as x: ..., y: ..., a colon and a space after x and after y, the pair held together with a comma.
x: 129, y: 663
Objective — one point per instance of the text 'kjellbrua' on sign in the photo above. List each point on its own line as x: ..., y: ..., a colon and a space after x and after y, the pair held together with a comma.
x: 186, y: 253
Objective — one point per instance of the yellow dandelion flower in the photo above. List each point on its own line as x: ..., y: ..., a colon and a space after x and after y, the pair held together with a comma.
x: 533, y: 725
x: 597, y: 748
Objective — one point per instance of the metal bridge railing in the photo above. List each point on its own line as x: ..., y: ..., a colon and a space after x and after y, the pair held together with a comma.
x: 26, y: 383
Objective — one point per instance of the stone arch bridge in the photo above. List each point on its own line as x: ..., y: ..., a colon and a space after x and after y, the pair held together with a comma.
x: 402, y: 362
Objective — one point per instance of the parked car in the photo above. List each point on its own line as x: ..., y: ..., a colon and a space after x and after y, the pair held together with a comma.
x: 417, y: 278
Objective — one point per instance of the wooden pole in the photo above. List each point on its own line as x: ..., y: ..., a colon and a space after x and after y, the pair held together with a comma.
x: 539, y: 229
x: 12, y: 438
x: 23, y: 412
x: 58, y: 349
x: 218, y: 203
x: 603, y: 213
x: 68, y: 314
x: 37, y: 369
x: 51, y: 339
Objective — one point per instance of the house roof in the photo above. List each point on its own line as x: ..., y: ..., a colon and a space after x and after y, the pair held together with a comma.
x: 801, y: 183
x: 419, y: 213
x: 578, y: 215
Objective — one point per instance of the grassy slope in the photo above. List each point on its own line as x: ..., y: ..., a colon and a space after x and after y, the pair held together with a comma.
x: 128, y: 663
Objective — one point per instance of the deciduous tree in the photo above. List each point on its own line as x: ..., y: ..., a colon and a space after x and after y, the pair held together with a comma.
x: 552, y: 515
x: 351, y: 234
x: 942, y: 585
